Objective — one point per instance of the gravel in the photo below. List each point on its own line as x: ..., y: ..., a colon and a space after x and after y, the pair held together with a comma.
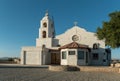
x: 43, y: 74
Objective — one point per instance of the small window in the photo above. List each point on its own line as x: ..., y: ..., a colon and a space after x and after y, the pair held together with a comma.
x: 53, y: 33
x: 104, y: 60
x: 71, y: 52
x: 24, y: 52
x: 95, y: 56
x: 58, y: 45
x: 52, y: 25
x: 104, y: 53
x: 80, y: 54
x: 63, y: 54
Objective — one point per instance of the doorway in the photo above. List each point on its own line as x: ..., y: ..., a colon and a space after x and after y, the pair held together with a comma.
x: 55, y: 58
x: 86, y: 57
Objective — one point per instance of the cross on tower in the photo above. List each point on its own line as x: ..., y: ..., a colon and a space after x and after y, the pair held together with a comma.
x: 46, y: 14
x: 75, y: 23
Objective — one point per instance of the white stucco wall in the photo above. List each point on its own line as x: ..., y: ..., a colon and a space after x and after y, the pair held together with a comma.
x: 35, y: 56
x: 64, y: 61
x: 73, y: 59
x: 85, y: 37
x: 44, y: 41
x: 32, y: 55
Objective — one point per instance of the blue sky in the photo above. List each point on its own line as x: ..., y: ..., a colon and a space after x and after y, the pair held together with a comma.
x: 20, y: 20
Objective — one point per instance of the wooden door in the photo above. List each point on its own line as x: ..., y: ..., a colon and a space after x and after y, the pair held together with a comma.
x: 55, y: 58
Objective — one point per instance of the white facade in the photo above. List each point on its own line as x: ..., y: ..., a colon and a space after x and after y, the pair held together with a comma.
x: 72, y: 59
x: 85, y: 37
x: 47, y: 49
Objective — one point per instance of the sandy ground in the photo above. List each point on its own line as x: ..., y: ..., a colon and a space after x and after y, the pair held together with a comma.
x: 43, y: 74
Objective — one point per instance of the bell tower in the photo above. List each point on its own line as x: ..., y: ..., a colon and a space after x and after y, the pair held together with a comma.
x: 46, y: 29
x: 46, y: 32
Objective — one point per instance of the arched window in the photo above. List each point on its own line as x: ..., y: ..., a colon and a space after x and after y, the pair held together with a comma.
x: 43, y: 46
x: 45, y: 24
x: 44, y: 34
x: 95, y: 46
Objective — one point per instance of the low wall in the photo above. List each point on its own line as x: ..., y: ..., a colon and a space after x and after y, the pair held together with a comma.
x: 100, y: 69
x: 63, y: 68
x: 115, y: 65
x: 7, y: 62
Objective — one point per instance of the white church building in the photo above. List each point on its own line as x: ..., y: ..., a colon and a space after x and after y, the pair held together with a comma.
x: 74, y: 47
